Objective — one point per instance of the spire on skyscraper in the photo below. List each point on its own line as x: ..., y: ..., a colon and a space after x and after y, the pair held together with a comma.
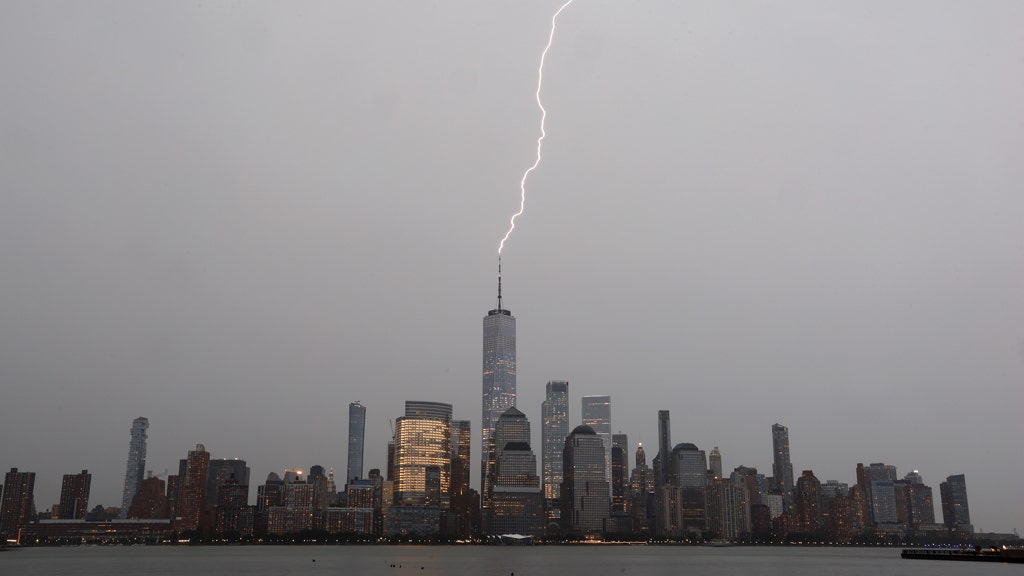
x: 499, y: 283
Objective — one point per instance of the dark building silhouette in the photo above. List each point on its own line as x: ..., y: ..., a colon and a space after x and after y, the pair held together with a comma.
x: 17, y: 504
x: 955, y: 511
x: 74, y: 496
x: 150, y: 502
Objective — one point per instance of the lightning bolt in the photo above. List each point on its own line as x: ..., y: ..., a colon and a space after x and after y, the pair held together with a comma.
x: 540, y: 140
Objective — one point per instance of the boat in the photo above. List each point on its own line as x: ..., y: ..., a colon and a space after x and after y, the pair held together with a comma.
x: 976, y: 554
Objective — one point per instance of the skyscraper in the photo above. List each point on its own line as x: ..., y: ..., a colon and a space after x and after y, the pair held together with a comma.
x: 423, y: 455
x: 782, y: 468
x: 74, y: 496
x: 808, y: 502
x: 597, y: 413
x: 554, y: 429
x: 219, y: 472
x: 516, y: 504
x: 715, y: 461
x: 499, y: 381
x: 620, y: 473
x: 584, y: 486
x: 953, y: 493
x: 192, y: 493
x: 356, y: 432
x: 18, y: 501
x: 136, y: 463
x: 664, y: 447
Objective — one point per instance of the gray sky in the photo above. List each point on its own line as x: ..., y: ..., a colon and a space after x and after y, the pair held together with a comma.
x: 234, y: 218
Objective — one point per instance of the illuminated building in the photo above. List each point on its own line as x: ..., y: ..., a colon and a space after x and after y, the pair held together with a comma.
x: 641, y: 483
x: 584, y: 486
x: 554, y: 429
x: 234, y: 515
x: 74, y: 496
x: 727, y: 517
x: 808, y: 502
x: 219, y: 471
x: 356, y: 433
x: 597, y: 413
x: 192, y: 493
x: 688, y: 476
x: 499, y: 383
x: 715, y: 462
x: 136, y: 463
x: 17, y: 503
x: 423, y: 441
x: 517, y: 505
x: 150, y: 502
x: 465, y: 502
x: 955, y: 512
x: 782, y: 467
x: 620, y: 473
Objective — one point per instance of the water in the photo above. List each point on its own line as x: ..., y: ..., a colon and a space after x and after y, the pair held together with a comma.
x: 580, y: 560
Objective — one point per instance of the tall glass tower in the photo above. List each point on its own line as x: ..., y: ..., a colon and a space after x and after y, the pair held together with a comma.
x: 136, y: 463
x: 356, y: 432
x: 499, y: 382
x: 597, y: 413
x: 554, y: 429
x: 782, y: 468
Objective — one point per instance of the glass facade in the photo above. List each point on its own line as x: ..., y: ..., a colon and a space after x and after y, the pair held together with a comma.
x: 585, y: 494
x: 554, y: 429
x: 597, y: 413
x: 136, y: 463
x: 499, y: 385
x: 356, y: 432
x: 782, y: 468
x: 423, y: 455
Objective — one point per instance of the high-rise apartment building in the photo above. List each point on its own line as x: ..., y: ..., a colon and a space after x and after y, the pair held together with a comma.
x: 136, y: 468
x: 584, y: 486
x: 554, y: 429
x: 74, y: 496
x: 953, y: 492
x: 808, y: 502
x: 597, y: 413
x: 192, y: 492
x: 782, y: 467
x: 664, y: 447
x: 499, y: 382
x: 17, y: 504
x: 356, y: 435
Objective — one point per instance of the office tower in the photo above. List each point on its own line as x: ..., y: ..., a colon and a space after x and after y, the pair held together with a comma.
x: 921, y: 504
x: 516, y: 501
x: 597, y: 413
x: 808, y: 502
x: 782, y: 468
x: 422, y: 442
x: 664, y: 446
x: 620, y: 473
x: 499, y: 381
x: 584, y: 486
x: 554, y: 429
x: 192, y: 493
x: 465, y: 502
x: 150, y: 501
x: 356, y: 433
x: 688, y: 474
x: 883, y: 501
x: 955, y: 512
x: 17, y: 504
x: 136, y: 463
x: 74, y: 496
x: 715, y: 462
x: 461, y: 437
x: 219, y: 471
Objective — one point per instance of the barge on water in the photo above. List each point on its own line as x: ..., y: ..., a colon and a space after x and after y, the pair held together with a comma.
x: 977, y: 554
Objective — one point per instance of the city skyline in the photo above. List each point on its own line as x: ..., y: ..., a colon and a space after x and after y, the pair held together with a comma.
x: 231, y: 221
